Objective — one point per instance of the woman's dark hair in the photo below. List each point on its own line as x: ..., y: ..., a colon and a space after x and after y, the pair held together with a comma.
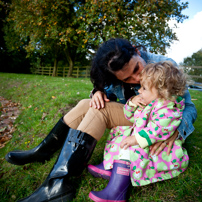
x: 111, y: 56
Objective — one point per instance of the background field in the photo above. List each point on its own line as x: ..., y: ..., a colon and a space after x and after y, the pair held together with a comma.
x: 43, y: 100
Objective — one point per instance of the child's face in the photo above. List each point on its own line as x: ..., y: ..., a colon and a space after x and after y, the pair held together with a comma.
x: 148, y: 94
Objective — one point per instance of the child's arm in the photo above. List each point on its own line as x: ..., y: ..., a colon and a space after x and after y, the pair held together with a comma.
x: 129, y: 141
x: 131, y: 105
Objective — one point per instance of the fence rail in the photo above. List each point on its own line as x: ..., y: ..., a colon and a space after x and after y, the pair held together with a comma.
x: 195, y: 72
x: 82, y: 72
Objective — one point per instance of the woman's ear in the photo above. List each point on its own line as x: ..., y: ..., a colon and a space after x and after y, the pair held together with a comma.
x: 138, y: 52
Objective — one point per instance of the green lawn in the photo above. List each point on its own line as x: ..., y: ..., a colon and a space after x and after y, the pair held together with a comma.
x: 50, y: 98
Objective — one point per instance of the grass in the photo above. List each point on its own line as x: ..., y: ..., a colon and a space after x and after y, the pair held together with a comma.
x: 43, y: 101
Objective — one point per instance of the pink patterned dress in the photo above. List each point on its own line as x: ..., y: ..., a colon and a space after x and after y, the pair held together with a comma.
x: 156, y: 122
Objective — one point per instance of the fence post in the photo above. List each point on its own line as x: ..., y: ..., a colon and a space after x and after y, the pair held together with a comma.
x: 86, y: 72
x: 77, y: 75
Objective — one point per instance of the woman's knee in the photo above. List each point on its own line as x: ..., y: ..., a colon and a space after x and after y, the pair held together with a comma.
x: 82, y: 106
x: 83, y: 103
x: 77, y: 113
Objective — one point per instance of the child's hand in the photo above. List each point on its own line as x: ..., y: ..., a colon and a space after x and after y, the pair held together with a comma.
x: 138, y: 101
x: 129, y: 141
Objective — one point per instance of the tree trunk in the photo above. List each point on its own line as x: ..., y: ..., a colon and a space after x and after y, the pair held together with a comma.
x: 70, y: 61
x: 55, y: 68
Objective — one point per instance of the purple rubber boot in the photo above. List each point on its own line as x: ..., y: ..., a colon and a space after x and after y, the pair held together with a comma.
x: 117, y: 187
x: 99, y: 171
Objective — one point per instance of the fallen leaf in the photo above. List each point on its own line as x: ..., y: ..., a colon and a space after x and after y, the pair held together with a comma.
x: 43, y: 115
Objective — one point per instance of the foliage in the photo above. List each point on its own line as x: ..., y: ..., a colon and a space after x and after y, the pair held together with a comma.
x: 142, y: 22
x: 194, y: 60
x: 79, y: 26
x: 11, y: 60
x: 43, y: 101
x: 44, y: 23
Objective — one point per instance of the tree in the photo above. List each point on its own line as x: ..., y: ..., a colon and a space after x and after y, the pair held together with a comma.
x: 48, y: 25
x: 80, y: 26
x: 142, y: 22
x: 196, y: 61
x: 11, y: 60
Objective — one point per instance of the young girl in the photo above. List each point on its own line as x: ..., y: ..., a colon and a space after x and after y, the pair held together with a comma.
x: 155, y: 113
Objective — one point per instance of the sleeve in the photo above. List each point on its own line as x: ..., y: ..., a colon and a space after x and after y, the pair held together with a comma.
x: 162, y: 124
x: 107, y: 91
x: 188, y: 118
x: 129, y: 109
x: 111, y: 96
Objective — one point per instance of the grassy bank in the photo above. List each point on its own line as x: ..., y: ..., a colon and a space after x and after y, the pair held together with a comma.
x: 43, y: 101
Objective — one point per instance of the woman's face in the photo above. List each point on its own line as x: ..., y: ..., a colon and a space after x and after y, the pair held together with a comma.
x: 130, y: 73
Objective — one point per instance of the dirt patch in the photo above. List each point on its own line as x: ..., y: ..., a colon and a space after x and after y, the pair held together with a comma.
x: 9, y: 112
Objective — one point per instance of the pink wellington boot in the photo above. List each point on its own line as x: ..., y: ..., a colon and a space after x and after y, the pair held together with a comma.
x: 99, y: 171
x: 117, y: 187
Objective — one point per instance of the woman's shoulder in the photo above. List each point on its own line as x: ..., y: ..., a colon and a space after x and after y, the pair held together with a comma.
x: 153, y: 58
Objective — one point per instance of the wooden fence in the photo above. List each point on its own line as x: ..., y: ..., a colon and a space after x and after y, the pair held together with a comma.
x: 78, y: 72
x: 195, y: 73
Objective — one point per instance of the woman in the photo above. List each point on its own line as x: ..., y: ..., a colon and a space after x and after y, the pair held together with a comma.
x: 115, y: 75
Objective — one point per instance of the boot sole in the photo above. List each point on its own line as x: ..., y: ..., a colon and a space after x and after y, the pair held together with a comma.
x: 9, y: 160
x: 95, y: 198
x: 98, y: 173
x: 65, y: 198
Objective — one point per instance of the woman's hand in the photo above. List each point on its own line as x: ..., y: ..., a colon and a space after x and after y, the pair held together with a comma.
x: 128, y: 141
x: 138, y: 101
x: 159, y: 146
x: 98, y: 100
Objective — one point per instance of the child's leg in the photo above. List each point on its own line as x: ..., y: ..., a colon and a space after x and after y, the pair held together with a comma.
x: 124, y: 154
x: 117, y: 187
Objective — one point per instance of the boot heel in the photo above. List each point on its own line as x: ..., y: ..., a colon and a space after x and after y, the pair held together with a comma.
x: 98, y: 171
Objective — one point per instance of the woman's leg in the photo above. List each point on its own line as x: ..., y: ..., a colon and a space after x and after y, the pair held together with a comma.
x: 74, y: 117
x: 93, y: 121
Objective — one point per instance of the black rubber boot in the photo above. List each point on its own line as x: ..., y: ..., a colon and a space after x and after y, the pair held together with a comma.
x: 53, y: 141
x: 71, y: 161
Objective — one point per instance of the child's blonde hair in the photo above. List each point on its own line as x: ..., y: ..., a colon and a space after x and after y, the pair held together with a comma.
x: 169, y: 81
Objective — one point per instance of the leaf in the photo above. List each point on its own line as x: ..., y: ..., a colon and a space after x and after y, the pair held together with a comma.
x: 43, y: 115
x: 3, y: 129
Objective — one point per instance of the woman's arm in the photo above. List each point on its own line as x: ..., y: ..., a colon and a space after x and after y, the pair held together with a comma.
x: 188, y: 118
x: 184, y: 130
